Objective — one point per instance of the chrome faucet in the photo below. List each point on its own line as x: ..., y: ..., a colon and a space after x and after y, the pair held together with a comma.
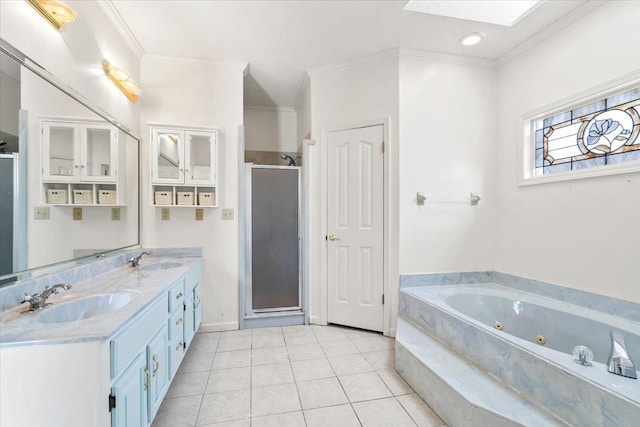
x: 38, y: 301
x: 135, y: 261
x: 619, y: 361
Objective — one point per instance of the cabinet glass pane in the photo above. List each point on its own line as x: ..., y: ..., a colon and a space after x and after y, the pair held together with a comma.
x: 200, y: 155
x: 98, y: 152
x: 168, y: 156
x: 61, y: 151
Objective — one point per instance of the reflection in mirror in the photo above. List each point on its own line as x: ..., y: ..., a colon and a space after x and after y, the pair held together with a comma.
x: 168, y: 155
x: 57, y: 155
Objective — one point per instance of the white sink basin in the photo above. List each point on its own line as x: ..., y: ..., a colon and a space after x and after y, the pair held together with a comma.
x: 162, y: 265
x: 84, y: 308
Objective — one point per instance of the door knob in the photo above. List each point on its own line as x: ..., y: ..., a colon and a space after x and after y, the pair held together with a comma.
x: 333, y: 237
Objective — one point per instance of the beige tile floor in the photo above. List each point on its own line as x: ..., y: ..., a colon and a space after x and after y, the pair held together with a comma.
x: 292, y: 376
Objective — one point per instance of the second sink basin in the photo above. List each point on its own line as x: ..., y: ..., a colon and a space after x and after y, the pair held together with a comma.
x: 162, y: 265
x: 84, y: 308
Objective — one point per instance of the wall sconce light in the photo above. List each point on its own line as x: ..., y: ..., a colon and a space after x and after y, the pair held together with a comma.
x: 120, y: 77
x: 55, y: 12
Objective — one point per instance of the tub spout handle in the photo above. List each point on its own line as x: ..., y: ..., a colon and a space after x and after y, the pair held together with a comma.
x: 620, y: 362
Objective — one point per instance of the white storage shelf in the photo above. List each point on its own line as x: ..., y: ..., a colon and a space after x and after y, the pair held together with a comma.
x: 184, y: 166
x: 183, y: 197
x: 53, y: 194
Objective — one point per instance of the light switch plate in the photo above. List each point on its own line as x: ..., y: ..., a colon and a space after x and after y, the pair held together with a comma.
x: 164, y: 214
x: 77, y: 214
x: 115, y: 214
x: 199, y: 214
x: 41, y: 213
x: 227, y: 214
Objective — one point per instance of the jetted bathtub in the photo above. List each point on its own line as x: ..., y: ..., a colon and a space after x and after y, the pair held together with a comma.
x: 526, y: 341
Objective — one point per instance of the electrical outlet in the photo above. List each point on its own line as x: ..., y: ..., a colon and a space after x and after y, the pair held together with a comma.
x: 199, y: 214
x: 41, y: 213
x: 115, y: 214
x: 77, y: 214
x: 227, y: 214
x: 164, y: 214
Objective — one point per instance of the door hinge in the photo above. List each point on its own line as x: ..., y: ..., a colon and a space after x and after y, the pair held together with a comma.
x: 112, y: 402
x: 382, y: 299
x: 383, y: 146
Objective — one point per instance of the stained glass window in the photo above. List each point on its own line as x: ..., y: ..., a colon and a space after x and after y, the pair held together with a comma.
x: 598, y: 134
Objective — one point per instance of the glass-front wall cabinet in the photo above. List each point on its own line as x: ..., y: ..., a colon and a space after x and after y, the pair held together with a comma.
x: 80, y: 163
x: 184, y: 166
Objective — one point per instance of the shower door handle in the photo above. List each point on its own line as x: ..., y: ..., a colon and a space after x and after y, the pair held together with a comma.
x: 333, y: 237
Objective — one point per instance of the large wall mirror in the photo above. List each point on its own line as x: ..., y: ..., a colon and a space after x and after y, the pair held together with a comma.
x: 69, y: 175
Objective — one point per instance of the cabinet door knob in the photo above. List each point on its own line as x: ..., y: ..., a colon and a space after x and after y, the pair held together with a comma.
x: 179, y: 346
x: 179, y: 295
x: 178, y: 321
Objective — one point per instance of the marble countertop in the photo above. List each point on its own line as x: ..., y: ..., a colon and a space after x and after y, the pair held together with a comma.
x: 144, y: 287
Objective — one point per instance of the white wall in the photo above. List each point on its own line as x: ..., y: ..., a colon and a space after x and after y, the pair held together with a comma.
x: 582, y: 233
x: 269, y: 129
x: 75, y: 55
x: 9, y: 104
x: 343, y: 97
x: 447, y: 116
x: 197, y: 93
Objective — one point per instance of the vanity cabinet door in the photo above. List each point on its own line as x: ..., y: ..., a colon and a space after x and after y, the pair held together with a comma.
x: 197, y: 308
x: 60, y: 151
x: 98, y: 153
x: 167, y: 150
x: 130, y: 392
x: 158, y: 367
x: 188, y: 320
x: 200, y: 158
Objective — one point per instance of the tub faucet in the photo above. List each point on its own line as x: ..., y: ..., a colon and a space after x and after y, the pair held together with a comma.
x: 135, y: 261
x: 38, y: 301
x: 620, y: 362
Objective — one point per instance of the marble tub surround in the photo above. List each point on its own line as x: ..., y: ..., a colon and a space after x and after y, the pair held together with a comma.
x: 578, y: 395
x: 446, y: 381
x: 104, y: 276
x: 614, y: 306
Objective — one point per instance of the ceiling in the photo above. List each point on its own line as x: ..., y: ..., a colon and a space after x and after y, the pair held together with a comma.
x: 281, y: 40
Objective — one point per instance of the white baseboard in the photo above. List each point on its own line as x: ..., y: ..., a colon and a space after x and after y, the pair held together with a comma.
x: 315, y: 320
x: 219, y: 327
x: 392, y: 332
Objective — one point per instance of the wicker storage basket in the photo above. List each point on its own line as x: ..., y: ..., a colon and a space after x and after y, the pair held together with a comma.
x: 164, y: 198
x: 185, y: 198
x: 82, y: 197
x: 57, y: 197
x: 107, y: 197
x: 206, y: 199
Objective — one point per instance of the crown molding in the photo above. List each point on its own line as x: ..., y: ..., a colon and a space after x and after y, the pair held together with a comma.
x: 270, y: 108
x: 488, y: 64
x: 121, y: 26
x: 182, y: 60
x: 554, y: 28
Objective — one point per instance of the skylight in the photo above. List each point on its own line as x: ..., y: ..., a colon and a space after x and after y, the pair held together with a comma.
x: 501, y: 12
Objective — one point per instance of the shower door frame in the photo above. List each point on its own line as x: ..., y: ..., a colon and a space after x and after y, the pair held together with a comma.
x: 248, y: 296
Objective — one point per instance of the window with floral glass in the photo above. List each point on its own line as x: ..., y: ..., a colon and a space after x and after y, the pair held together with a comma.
x: 602, y: 133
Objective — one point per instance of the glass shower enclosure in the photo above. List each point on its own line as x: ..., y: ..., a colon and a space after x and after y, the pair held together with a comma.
x: 273, y: 234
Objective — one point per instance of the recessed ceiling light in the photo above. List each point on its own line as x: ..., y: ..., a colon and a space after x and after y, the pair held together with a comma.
x: 471, y: 39
x: 501, y: 12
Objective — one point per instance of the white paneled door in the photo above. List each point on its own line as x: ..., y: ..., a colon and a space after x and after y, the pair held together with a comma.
x: 355, y: 223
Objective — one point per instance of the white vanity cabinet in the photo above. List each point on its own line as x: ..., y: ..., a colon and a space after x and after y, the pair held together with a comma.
x: 81, y: 164
x: 184, y: 165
